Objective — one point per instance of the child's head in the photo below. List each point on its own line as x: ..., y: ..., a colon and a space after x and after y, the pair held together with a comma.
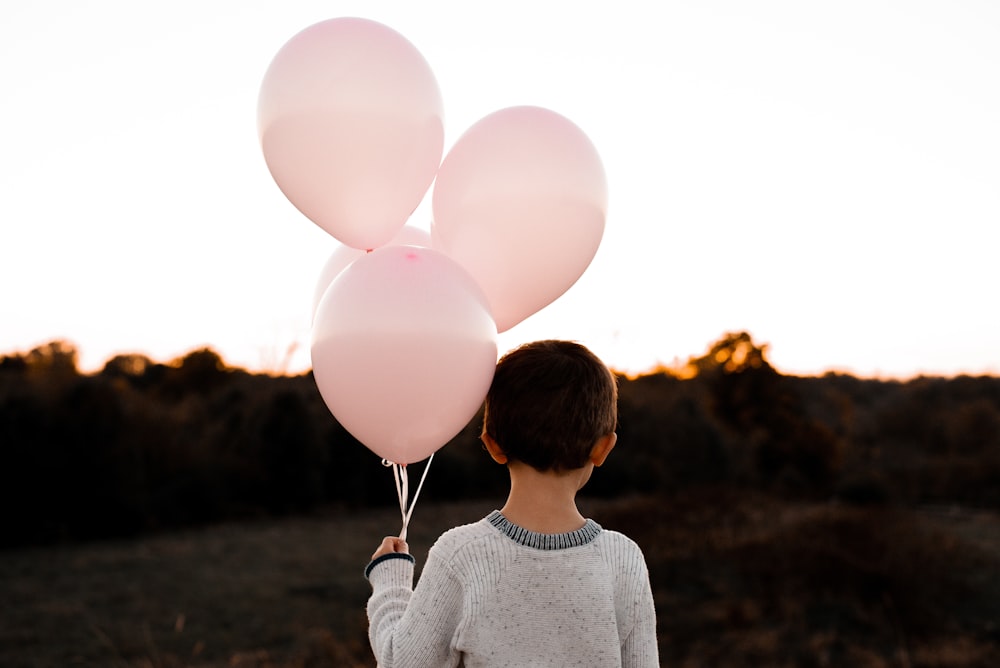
x: 549, y: 404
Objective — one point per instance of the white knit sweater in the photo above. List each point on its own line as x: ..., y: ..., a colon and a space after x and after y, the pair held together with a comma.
x: 494, y: 594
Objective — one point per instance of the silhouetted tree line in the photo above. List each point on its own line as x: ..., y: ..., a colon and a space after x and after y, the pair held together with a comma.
x: 141, y: 445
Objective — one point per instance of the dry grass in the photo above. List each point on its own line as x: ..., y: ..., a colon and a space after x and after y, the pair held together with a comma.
x: 739, y: 580
x: 746, y: 580
x: 274, y: 593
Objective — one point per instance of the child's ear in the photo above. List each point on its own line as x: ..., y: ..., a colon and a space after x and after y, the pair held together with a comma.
x: 496, y: 452
x: 603, y: 448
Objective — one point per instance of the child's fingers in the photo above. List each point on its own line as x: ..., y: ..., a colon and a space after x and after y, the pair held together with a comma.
x: 389, y: 545
x: 385, y: 547
x: 398, y: 544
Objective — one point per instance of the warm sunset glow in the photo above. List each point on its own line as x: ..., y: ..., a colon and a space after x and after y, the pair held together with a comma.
x: 845, y: 152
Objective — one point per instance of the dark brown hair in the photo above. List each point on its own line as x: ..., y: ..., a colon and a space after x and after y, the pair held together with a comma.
x: 549, y: 403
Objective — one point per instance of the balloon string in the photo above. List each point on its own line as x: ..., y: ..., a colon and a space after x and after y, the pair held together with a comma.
x: 403, y: 491
x: 402, y: 482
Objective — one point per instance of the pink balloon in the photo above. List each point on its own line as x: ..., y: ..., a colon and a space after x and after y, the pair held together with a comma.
x: 520, y: 201
x: 351, y: 124
x: 342, y: 256
x: 403, y: 350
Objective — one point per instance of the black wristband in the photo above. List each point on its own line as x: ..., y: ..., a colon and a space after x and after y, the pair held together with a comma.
x: 385, y: 557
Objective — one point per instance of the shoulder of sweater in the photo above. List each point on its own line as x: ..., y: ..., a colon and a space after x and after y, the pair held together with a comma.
x: 618, y: 537
x: 455, y: 540
x: 620, y: 543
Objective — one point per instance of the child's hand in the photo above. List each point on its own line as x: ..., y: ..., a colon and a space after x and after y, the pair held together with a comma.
x: 389, y: 545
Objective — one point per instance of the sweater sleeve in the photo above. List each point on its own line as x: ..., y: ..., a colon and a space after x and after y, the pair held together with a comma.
x: 414, y: 628
x: 640, y: 649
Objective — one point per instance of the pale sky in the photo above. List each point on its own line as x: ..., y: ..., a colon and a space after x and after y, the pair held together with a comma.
x: 823, y: 175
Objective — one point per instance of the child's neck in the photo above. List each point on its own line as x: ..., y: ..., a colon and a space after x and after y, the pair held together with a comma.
x: 544, y: 502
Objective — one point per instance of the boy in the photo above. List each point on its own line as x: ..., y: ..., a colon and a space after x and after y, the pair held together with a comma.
x: 535, y: 583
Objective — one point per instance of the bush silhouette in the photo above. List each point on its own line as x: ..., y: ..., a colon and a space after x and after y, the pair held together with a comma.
x: 142, y: 445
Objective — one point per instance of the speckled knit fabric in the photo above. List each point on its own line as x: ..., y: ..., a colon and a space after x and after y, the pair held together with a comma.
x: 495, y: 594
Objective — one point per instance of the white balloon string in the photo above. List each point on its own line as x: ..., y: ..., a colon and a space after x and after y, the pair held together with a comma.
x: 403, y: 496
x: 403, y: 491
x: 399, y: 473
x: 416, y: 494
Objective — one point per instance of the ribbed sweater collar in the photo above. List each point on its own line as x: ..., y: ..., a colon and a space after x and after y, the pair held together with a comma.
x: 544, y: 541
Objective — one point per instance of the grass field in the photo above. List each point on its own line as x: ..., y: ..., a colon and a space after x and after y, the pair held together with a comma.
x: 739, y: 580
